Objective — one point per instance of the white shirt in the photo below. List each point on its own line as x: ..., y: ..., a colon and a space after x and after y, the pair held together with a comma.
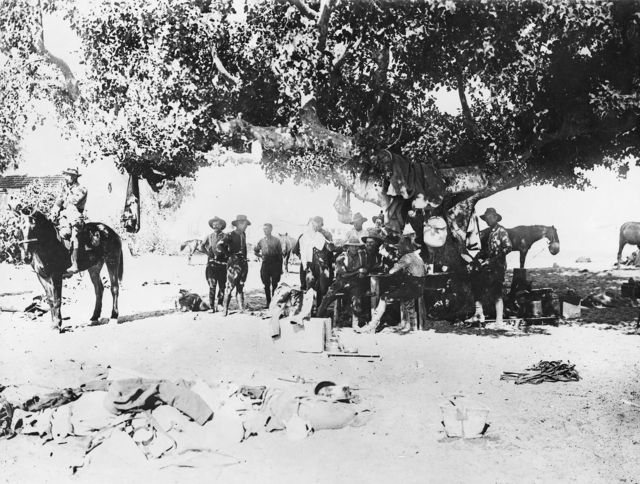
x: 309, y: 241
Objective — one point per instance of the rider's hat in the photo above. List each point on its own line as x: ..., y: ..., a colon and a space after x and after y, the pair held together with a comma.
x: 71, y: 171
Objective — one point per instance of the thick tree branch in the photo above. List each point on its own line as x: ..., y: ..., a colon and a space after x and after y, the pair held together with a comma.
x: 460, y: 206
x: 466, y: 111
x: 71, y: 84
x: 221, y: 68
x: 305, y: 9
x: 313, y: 136
x: 380, y: 81
x: 323, y: 23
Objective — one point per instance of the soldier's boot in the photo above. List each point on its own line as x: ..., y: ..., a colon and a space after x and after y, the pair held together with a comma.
x: 75, y: 247
x: 267, y: 293
x: 241, y: 301
x: 499, y: 311
x: 376, y: 317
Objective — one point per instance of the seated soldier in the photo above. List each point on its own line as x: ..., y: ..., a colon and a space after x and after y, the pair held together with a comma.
x: 375, y: 262
x: 69, y: 212
x: 406, y: 284
x: 350, y: 278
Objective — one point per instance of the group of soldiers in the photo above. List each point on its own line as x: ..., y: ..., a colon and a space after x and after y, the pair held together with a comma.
x: 344, y: 270
x: 330, y: 269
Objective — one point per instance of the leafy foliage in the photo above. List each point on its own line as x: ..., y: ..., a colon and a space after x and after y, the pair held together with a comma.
x: 35, y: 196
x: 30, y: 77
x: 550, y: 87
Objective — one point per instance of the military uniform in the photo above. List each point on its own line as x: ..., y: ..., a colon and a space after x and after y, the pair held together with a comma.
x: 490, y: 277
x: 70, y: 208
x: 348, y: 280
x: 235, y: 244
x: 270, y: 249
x: 216, y: 271
x: 70, y: 205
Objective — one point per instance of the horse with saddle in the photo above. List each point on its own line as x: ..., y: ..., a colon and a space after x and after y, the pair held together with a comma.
x: 72, y: 246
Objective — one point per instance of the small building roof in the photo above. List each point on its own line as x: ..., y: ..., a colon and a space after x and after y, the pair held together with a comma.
x: 15, y: 182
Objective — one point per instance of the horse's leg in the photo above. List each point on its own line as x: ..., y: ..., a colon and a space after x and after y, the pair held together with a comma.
x: 227, y: 290
x: 113, y: 267
x: 56, y: 280
x: 523, y: 257
x: 47, y: 285
x: 94, y: 273
x: 621, y: 245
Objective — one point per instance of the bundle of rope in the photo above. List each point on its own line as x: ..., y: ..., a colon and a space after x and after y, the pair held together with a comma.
x: 551, y: 371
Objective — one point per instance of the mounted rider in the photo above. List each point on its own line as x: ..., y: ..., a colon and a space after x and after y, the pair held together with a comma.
x: 68, y: 209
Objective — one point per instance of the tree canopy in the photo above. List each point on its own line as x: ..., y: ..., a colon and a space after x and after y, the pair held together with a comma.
x: 546, y: 88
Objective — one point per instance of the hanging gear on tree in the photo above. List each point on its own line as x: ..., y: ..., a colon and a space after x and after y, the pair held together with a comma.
x: 131, y: 212
x: 343, y: 206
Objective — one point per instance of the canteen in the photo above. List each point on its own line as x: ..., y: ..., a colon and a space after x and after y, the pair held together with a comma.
x: 435, y: 232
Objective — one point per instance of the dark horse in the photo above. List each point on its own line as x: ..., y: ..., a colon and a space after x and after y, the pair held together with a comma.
x: 50, y: 259
x: 523, y: 237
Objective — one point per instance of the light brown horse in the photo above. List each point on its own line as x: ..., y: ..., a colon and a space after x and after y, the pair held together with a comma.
x: 629, y: 234
x: 287, y: 243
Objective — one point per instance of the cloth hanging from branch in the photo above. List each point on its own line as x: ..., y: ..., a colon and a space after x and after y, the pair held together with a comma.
x: 131, y: 212
x: 409, y: 181
x: 343, y: 206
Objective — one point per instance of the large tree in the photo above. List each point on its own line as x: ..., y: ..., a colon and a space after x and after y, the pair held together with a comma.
x: 31, y: 76
x: 326, y: 91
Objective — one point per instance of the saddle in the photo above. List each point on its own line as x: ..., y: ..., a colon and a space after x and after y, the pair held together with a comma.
x: 90, y: 237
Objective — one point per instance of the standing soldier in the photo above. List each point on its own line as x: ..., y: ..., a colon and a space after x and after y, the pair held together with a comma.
x: 270, y: 250
x: 493, y: 266
x: 235, y: 244
x: 216, y: 271
x: 357, y: 232
x: 69, y: 209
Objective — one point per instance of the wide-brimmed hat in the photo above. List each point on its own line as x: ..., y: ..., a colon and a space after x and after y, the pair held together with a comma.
x: 217, y: 219
x: 375, y: 218
x: 240, y: 218
x: 354, y: 241
x: 358, y: 218
x: 377, y: 237
x: 490, y: 211
x: 71, y: 171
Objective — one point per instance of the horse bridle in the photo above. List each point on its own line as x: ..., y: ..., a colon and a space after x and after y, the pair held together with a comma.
x: 28, y: 213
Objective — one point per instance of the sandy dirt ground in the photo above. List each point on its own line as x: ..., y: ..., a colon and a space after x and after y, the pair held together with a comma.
x: 584, y: 431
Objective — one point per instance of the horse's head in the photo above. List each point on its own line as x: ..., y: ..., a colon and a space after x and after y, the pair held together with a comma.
x: 28, y: 226
x: 554, y: 242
